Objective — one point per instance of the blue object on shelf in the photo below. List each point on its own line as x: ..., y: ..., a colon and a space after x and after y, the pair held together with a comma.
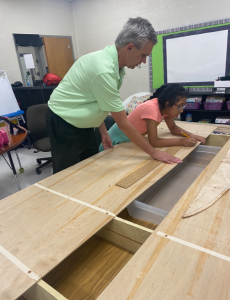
x: 188, y: 117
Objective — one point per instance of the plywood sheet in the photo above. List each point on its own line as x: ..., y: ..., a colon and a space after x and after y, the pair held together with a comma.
x: 94, y: 180
x: 164, y: 269
x: 41, y: 229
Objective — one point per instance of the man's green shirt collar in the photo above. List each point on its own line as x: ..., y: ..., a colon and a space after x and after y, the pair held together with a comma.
x: 114, y: 55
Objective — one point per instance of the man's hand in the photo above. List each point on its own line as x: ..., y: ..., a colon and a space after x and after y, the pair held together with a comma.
x: 166, y: 157
x: 189, y: 142
x: 106, y: 141
x: 200, y: 139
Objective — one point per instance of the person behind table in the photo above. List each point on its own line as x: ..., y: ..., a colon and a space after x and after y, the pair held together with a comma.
x: 90, y: 90
x: 165, y: 104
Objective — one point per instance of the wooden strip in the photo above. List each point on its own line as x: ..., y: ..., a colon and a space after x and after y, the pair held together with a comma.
x: 19, y: 264
x: 75, y: 200
x: 42, y: 291
x: 194, y: 246
x: 125, y: 234
x: 144, y: 170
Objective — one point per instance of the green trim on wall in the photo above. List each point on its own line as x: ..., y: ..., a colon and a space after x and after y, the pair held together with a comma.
x: 157, y: 57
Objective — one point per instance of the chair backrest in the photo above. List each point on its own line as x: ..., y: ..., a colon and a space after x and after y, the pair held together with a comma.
x: 36, y: 121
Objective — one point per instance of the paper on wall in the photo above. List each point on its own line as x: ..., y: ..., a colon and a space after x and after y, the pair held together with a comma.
x: 29, y: 62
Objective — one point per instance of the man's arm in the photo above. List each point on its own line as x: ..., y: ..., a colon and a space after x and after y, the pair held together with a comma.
x: 105, y: 138
x: 130, y: 131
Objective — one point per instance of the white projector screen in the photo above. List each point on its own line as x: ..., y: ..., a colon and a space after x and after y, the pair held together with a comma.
x: 196, y: 58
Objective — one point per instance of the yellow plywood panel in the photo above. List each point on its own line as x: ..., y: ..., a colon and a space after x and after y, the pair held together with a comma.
x: 41, y: 229
x: 94, y: 180
x: 166, y: 269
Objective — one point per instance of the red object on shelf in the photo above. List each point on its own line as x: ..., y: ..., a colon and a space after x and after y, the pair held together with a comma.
x: 192, y: 105
x: 213, y: 106
x: 228, y: 105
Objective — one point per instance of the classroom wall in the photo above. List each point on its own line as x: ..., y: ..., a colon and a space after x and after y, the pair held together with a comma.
x: 98, y: 22
x: 46, y: 17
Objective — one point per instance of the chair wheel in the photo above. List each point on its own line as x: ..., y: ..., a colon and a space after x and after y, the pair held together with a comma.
x: 21, y: 170
x: 38, y: 171
x: 39, y: 161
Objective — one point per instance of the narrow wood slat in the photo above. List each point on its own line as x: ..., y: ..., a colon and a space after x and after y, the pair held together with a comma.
x: 144, y: 170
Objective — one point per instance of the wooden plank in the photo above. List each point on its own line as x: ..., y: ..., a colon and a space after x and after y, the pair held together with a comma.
x: 42, y: 291
x: 164, y: 269
x: 41, y: 229
x: 94, y: 180
x: 130, y: 179
x: 125, y: 234
x: 87, y: 271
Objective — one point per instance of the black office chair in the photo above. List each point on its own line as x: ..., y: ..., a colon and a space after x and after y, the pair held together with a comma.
x: 36, y: 124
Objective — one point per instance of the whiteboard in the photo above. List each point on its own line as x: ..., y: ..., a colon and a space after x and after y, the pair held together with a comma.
x: 197, y: 58
x: 8, y: 102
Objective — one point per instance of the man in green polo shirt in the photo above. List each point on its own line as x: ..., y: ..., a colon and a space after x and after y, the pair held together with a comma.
x: 90, y: 90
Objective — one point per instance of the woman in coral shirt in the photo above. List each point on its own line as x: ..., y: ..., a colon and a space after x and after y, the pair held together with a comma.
x: 166, y: 103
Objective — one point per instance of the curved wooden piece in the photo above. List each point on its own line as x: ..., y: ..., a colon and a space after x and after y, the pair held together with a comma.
x: 202, y: 208
x: 217, y: 186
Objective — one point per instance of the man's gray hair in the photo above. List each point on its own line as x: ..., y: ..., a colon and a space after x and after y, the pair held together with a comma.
x: 137, y: 31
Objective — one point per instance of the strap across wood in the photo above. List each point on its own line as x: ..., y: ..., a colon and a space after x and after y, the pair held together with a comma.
x: 144, y: 170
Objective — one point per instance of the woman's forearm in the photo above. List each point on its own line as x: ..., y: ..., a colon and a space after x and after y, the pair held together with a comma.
x: 159, y: 142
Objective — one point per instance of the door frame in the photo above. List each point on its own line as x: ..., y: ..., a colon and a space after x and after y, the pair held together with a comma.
x: 40, y: 53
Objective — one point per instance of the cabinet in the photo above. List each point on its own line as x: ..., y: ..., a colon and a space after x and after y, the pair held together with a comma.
x: 201, y: 113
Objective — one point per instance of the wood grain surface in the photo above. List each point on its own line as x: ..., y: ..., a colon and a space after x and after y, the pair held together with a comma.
x: 86, y: 273
x: 42, y: 229
x: 165, y: 269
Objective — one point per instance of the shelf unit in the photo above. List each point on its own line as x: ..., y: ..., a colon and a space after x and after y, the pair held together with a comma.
x: 201, y: 113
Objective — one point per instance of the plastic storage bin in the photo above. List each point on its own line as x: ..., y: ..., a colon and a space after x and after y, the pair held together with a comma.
x: 192, y: 105
x: 213, y: 106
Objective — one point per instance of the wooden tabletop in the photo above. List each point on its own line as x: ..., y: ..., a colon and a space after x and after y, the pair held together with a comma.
x: 172, y: 263
x: 14, y: 139
x: 42, y: 224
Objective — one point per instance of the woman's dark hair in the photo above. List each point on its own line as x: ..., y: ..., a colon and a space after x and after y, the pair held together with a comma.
x: 158, y: 91
x: 171, y: 93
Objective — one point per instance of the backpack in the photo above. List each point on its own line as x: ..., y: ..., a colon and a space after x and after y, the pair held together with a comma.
x: 51, y: 79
